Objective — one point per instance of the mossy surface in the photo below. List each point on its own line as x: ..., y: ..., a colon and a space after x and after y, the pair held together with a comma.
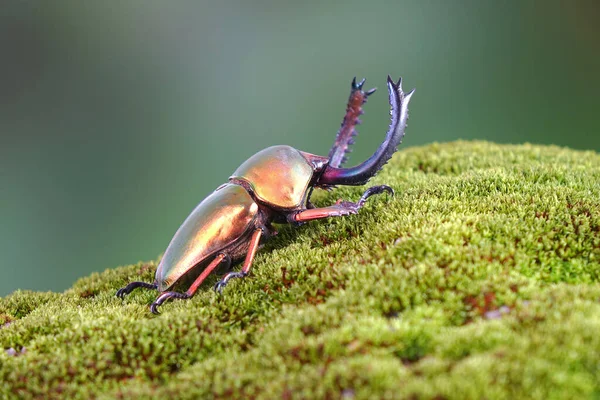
x: 479, y: 279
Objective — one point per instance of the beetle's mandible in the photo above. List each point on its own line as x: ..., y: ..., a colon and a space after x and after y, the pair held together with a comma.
x: 272, y: 186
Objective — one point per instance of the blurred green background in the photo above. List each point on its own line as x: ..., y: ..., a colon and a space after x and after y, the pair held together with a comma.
x: 117, y: 118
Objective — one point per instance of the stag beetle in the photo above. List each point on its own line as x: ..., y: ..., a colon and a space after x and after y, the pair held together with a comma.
x: 272, y: 186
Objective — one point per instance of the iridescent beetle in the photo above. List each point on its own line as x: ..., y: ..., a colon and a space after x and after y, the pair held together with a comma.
x: 274, y: 185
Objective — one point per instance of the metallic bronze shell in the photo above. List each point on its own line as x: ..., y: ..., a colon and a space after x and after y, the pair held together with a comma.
x: 279, y: 176
x: 218, y: 221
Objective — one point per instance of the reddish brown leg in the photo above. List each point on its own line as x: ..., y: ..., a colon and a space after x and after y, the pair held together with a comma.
x: 192, y: 290
x: 340, y: 208
x: 254, y: 240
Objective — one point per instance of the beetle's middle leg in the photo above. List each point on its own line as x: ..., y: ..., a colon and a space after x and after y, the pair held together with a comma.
x: 339, y: 209
x: 193, y: 288
x: 254, y: 240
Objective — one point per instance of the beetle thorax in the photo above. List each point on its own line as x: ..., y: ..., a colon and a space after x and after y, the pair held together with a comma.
x: 280, y: 176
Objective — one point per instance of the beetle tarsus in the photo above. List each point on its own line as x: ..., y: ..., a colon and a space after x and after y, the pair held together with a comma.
x: 348, y: 207
x: 223, y: 282
x: 134, y: 285
x: 164, y: 297
x: 339, y: 209
x: 372, y: 191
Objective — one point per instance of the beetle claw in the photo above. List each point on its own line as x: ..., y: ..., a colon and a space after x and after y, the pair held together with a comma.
x: 164, y: 297
x: 372, y: 191
x: 223, y: 282
x: 153, y: 309
x: 219, y: 287
x: 348, y: 207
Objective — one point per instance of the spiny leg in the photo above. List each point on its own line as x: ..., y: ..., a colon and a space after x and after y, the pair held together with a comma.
x: 133, y: 285
x: 347, y: 132
x: 340, y: 208
x: 254, y: 241
x: 193, y: 288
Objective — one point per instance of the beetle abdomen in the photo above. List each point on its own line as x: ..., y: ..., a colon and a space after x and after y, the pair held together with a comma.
x: 221, y: 218
x: 279, y: 175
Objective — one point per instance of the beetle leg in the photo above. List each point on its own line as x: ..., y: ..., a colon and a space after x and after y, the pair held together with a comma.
x: 192, y: 289
x: 219, y: 259
x: 164, y: 297
x: 309, y: 204
x: 340, y: 208
x: 133, y: 285
x: 254, y: 240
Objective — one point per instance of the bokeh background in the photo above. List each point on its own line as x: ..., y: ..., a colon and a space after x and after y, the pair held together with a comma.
x: 117, y: 118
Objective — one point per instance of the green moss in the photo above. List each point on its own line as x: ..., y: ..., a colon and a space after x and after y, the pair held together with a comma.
x: 480, y: 278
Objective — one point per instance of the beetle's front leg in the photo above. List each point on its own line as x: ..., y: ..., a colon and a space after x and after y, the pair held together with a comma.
x: 339, y: 209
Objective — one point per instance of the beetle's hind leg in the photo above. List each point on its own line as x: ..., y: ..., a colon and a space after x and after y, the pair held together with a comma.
x: 339, y: 209
x: 254, y: 241
x: 134, y: 285
x: 194, y: 287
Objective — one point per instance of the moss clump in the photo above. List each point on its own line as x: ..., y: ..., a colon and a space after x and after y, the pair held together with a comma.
x: 480, y: 278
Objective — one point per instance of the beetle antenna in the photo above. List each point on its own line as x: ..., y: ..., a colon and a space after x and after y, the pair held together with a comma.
x: 338, y: 154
